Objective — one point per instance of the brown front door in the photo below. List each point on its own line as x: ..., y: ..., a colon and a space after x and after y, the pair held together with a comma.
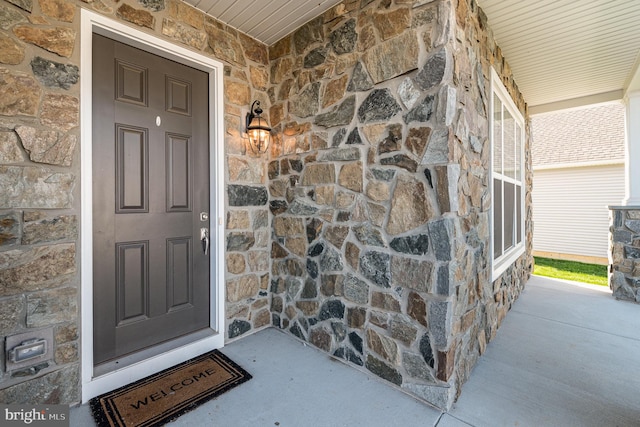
x: 150, y: 186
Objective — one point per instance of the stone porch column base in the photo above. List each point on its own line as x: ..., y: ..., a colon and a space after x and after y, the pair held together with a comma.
x: 624, y: 252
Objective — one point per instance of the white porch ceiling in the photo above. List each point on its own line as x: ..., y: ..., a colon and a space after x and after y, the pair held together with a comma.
x: 264, y: 20
x: 567, y: 53
x: 563, y: 53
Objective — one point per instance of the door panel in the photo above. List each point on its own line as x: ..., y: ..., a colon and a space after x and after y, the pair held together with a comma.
x: 132, y: 169
x: 132, y: 283
x: 178, y: 173
x: 151, y: 181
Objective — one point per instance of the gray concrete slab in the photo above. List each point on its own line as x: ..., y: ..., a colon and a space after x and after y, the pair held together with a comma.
x: 566, y: 355
x: 296, y: 385
x: 448, y: 420
x: 558, y: 360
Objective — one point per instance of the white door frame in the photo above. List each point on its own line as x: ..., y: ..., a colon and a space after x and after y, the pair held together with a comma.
x: 94, y: 23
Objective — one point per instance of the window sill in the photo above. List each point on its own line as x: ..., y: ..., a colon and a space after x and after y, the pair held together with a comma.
x: 505, y: 261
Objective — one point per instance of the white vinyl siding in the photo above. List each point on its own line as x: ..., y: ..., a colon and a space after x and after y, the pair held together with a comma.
x: 570, y: 214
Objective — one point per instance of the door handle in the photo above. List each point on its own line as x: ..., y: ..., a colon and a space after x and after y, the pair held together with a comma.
x: 204, y: 238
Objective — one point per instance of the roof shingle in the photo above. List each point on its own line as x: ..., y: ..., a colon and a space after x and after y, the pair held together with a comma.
x: 580, y: 135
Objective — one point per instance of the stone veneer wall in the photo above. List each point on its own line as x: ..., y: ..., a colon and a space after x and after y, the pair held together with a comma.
x: 40, y: 175
x: 376, y: 245
x: 624, y: 252
x: 380, y: 190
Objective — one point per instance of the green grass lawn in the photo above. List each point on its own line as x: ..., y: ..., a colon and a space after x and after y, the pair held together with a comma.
x: 571, y: 270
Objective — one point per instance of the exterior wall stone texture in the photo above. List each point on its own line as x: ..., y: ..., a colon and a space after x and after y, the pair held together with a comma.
x: 624, y: 253
x: 379, y: 188
x: 365, y: 229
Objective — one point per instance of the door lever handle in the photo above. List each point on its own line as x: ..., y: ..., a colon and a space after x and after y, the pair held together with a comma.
x: 204, y: 238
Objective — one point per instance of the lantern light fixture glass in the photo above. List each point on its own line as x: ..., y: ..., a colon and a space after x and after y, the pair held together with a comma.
x: 258, y: 129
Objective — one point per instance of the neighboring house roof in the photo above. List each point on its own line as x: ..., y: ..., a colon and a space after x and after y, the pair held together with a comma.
x: 585, y: 135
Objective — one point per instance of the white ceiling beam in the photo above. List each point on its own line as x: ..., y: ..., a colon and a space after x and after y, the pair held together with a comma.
x: 599, y: 98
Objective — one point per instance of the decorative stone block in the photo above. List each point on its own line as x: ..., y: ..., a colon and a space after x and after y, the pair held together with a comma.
x: 375, y: 266
x: 10, y: 17
x: 442, y: 396
x: 440, y: 322
x: 154, y: 5
x: 12, y: 314
x: 332, y: 309
x: 47, y: 146
x: 31, y: 270
x: 383, y: 346
x: 319, y: 174
x: 9, y: 148
x: 410, y: 208
x: 60, y: 112
x: 441, y: 232
x: 242, y: 288
x: 350, y: 176
x: 343, y: 39
x: 39, y: 228
x: 416, y: 367
x: 385, y: 301
x: 433, y: 70
x: 10, y: 228
x: 355, y: 290
x: 19, y: 94
x: 339, y: 116
x: 421, y: 112
x: 411, y: 273
x: 225, y: 46
x: 414, y: 245
x: 320, y: 338
x: 238, y: 327
x: 11, y: 52
x: 244, y: 195
x: 402, y: 161
x: 360, y: 79
x: 287, y: 226
x: 305, y: 36
x: 52, y: 306
x: 393, y: 57
x: 392, y: 23
x: 403, y: 329
x: 331, y: 260
x: 383, y: 370
x: 378, y: 105
x: 60, y: 10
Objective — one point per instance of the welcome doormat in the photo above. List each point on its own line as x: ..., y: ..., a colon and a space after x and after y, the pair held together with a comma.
x: 162, y: 397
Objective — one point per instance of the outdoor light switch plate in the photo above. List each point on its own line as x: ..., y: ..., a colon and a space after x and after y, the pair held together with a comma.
x: 28, y: 349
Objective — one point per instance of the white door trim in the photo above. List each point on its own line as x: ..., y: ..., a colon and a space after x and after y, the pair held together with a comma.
x: 94, y: 23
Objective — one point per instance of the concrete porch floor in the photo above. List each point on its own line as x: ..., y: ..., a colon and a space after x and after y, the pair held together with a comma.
x: 566, y: 355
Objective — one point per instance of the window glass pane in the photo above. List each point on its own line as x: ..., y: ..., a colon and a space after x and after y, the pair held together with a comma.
x: 509, y: 148
x: 509, y: 215
x: 497, y: 134
x: 518, y: 172
x: 518, y: 214
x: 497, y: 218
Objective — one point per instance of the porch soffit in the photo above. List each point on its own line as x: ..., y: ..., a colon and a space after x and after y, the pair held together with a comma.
x: 563, y: 53
x: 265, y: 20
x: 567, y: 53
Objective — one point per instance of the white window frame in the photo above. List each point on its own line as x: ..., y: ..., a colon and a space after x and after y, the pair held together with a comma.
x: 509, y: 256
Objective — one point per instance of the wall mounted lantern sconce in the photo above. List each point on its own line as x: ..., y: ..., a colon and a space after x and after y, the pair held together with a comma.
x: 257, y: 129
